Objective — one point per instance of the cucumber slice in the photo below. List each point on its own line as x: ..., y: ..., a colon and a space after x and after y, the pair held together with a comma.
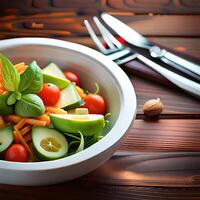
x: 53, y: 74
x: 49, y: 144
x: 69, y: 98
x: 54, y: 70
x: 6, y: 138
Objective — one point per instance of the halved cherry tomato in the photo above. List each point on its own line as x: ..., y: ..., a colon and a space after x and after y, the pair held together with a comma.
x: 17, y: 153
x: 72, y: 77
x: 50, y: 94
x: 95, y: 104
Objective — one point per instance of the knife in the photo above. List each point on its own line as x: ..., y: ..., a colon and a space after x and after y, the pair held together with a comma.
x: 134, y: 38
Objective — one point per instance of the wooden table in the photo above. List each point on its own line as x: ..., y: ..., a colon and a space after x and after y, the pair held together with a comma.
x: 138, y: 175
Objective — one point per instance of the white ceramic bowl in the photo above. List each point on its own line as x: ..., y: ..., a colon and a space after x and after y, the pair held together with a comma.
x: 92, y: 67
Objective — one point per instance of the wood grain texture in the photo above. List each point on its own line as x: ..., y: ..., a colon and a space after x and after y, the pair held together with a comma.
x: 77, y: 191
x: 174, y: 100
x: 96, y: 6
x: 151, y: 169
x: 154, y: 6
x: 117, y: 178
x: 61, y: 24
x: 163, y: 135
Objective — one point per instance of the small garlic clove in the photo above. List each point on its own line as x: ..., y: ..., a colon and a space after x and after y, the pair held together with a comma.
x: 153, y: 107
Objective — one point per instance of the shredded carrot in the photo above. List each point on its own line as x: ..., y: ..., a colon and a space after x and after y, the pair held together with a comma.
x: 81, y: 92
x: 16, y: 138
x: 20, y: 67
x: 26, y: 129
x: 22, y: 140
x: 28, y: 137
x: 21, y: 123
x: 36, y: 122
x: 2, y: 123
x: 12, y: 118
x: 45, y: 118
x: 55, y: 110
x: 34, y: 157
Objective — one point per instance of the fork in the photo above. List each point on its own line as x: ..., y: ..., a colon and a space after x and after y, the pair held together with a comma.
x: 121, y: 54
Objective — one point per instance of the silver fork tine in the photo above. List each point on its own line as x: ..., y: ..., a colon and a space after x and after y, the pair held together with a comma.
x: 103, y: 33
x: 108, y: 37
x: 95, y: 38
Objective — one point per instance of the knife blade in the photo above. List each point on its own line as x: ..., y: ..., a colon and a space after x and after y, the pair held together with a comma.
x: 136, y: 39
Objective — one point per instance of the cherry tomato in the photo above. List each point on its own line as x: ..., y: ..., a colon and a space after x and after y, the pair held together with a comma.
x: 17, y: 153
x: 72, y: 77
x: 50, y: 94
x: 95, y: 104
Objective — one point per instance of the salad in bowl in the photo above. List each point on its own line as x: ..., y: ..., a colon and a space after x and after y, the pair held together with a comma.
x: 45, y: 114
x: 89, y: 139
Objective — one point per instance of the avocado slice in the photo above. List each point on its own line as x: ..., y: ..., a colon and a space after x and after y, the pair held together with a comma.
x: 5, y: 109
x: 88, y: 124
x: 53, y: 74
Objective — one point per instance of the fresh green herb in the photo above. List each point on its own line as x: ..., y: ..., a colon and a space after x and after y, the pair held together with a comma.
x: 31, y: 79
x: 11, y: 99
x: 106, y: 118
x: 72, y: 136
x: 73, y: 146
x: 81, y: 145
x: 18, y: 95
x: 76, y: 143
x: 5, y: 109
x: 10, y: 76
x: 30, y: 105
x: 14, y: 96
x: 90, y: 140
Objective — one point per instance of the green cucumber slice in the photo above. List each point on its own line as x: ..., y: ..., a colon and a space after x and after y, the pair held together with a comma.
x: 53, y: 74
x: 69, y: 98
x: 6, y: 138
x: 54, y: 70
x: 49, y: 144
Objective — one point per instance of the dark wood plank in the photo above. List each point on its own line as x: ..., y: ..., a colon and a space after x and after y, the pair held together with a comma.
x: 78, y: 191
x: 175, y: 101
x: 165, y: 135
x: 152, y: 6
x: 128, y: 169
x: 95, y: 6
x: 60, y: 24
x: 164, y: 25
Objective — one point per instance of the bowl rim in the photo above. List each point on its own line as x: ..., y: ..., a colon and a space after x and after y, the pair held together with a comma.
x: 127, y: 109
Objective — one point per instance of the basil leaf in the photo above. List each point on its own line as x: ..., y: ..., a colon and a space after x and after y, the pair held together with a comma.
x: 31, y: 79
x: 5, y: 109
x: 18, y: 95
x: 10, y: 76
x: 30, y: 105
x: 11, y: 99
